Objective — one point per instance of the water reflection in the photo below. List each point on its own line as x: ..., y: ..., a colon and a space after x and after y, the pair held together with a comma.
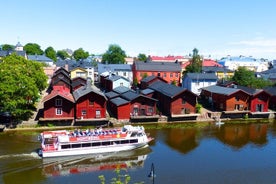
x: 239, y: 135
x: 82, y: 164
x: 182, y: 140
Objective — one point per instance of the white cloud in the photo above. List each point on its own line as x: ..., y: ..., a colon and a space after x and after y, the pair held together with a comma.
x: 257, y: 42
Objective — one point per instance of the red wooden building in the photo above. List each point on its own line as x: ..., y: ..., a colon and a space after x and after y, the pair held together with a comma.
x: 61, y: 80
x: 90, y: 103
x: 120, y: 108
x: 58, y: 105
x: 174, y: 101
x: 226, y: 99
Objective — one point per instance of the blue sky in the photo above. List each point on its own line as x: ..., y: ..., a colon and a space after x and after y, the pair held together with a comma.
x: 153, y: 27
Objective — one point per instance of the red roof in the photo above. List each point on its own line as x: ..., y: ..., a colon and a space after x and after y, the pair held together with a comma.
x: 165, y: 58
x: 206, y: 62
x: 65, y: 94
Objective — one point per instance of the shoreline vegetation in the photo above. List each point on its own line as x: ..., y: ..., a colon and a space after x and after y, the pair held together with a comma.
x: 148, y: 125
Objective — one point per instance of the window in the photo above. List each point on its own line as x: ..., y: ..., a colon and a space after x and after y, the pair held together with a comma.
x: 58, y: 111
x: 237, y: 98
x: 83, y: 112
x: 58, y: 102
x: 98, y: 113
x: 150, y: 110
x: 165, y: 75
x: 171, y: 75
x: 121, y: 84
x: 124, y: 73
x: 176, y: 74
x: 80, y: 74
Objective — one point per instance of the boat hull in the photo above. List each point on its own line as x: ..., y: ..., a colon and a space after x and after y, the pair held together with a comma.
x: 93, y: 150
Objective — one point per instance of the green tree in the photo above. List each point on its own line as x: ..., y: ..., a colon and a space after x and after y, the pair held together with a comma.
x: 246, y: 77
x: 195, y: 65
x: 33, y: 49
x: 21, y: 82
x: 7, y: 47
x: 80, y: 54
x: 51, y: 53
x: 62, y: 54
x: 142, y: 57
x: 114, y: 55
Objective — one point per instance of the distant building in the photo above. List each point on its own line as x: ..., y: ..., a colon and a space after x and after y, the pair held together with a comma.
x: 195, y: 81
x: 256, y: 65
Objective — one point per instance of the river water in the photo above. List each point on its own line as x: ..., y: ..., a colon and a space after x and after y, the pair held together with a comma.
x: 180, y: 153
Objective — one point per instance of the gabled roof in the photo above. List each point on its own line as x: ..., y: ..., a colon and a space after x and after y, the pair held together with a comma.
x: 121, y: 89
x: 157, y: 66
x: 63, y: 94
x: 222, y: 90
x: 57, y: 79
x: 201, y: 76
x: 166, y: 89
x: 116, y: 77
x: 61, y: 71
x: 84, y: 90
x: 113, y: 68
x: 40, y: 58
x: 119, y: 101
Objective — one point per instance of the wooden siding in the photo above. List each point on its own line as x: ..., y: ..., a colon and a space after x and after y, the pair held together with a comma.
x: 259, y: 103
x: 83, y: 104
x: 50, y: 109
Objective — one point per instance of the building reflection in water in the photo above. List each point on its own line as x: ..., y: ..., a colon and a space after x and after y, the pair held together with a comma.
x: 239, y: 135
x: 99, y: 162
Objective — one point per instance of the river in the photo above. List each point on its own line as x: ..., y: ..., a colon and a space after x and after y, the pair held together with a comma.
x: 180, y: 153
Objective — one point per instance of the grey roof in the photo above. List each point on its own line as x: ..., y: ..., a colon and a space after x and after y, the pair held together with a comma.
x: 210, y: 69
x: 72, y: 64
x: 121, y: 89
x: 116, y: 77
x: 130, y: 95
x: 84, y: 90
x: 202, y: 76
x: 270, y: 71
x: 270, y: 90
x: 149, y: 78
x: 40, y: 58
x: 166, y: 89
x: 113, y: 68
x: 221, y: 90
x: 157, y: 66
x: 4, y: 53
x: 119, y: 101
x: 248, y: 90
x: 111, y: 94
x: 146, y: 91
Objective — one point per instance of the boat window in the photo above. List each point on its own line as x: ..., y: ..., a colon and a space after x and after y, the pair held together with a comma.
x: 117, y: 142
x: 96, y: 144
x: 76, y: 145
x: 133, y: 134
x: 66, y: 146
x: 133, y: 141
x: 124, y: 141
x: 106, y: 143
x: 49, y: 140
x: 86, y: 145
x: 140, y: 134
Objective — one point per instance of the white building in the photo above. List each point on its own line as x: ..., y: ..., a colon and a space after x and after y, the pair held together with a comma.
x: 256, y: 65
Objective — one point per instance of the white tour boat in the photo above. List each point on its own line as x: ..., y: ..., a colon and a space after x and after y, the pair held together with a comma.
x: 67, y: 143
